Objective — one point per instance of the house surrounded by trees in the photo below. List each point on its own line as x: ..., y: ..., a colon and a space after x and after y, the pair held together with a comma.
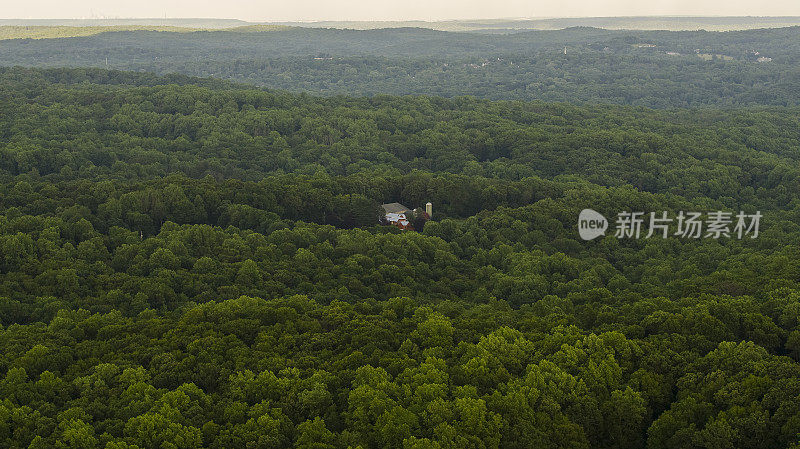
x: 403, y: 217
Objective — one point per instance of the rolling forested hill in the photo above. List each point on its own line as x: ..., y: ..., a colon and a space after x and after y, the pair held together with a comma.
x: 196, y: 263
x: 657, y: 69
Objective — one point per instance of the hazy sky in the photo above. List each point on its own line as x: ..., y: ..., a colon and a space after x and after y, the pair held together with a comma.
x: 289, y: 10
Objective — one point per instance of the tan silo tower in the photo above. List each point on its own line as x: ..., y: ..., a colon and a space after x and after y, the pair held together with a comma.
x: 429, y: 210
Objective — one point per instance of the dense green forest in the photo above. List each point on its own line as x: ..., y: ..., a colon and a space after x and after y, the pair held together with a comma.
x: 657, y: 69
x: 194, y: 263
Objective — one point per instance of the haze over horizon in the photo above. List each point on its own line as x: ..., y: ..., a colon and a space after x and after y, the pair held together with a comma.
x: 383, y: 10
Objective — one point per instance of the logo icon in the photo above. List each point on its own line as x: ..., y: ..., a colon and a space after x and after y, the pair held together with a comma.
x: 591, y: 224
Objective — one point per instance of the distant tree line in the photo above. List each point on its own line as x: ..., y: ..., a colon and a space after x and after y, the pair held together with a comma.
x: 659, y: 69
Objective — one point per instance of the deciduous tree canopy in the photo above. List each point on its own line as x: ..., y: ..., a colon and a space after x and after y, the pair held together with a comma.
x: 189, y: 263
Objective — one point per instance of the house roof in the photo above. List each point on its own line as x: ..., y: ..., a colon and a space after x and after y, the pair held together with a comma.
x: 394, y: 208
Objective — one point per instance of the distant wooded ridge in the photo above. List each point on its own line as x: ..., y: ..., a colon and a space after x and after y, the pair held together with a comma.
x: 576, y: 65
x: 672, y: 23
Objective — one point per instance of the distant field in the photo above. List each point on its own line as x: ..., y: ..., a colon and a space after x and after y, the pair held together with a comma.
x: 51, y: 32
x: 62, y: 31
x: 142, y: 21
